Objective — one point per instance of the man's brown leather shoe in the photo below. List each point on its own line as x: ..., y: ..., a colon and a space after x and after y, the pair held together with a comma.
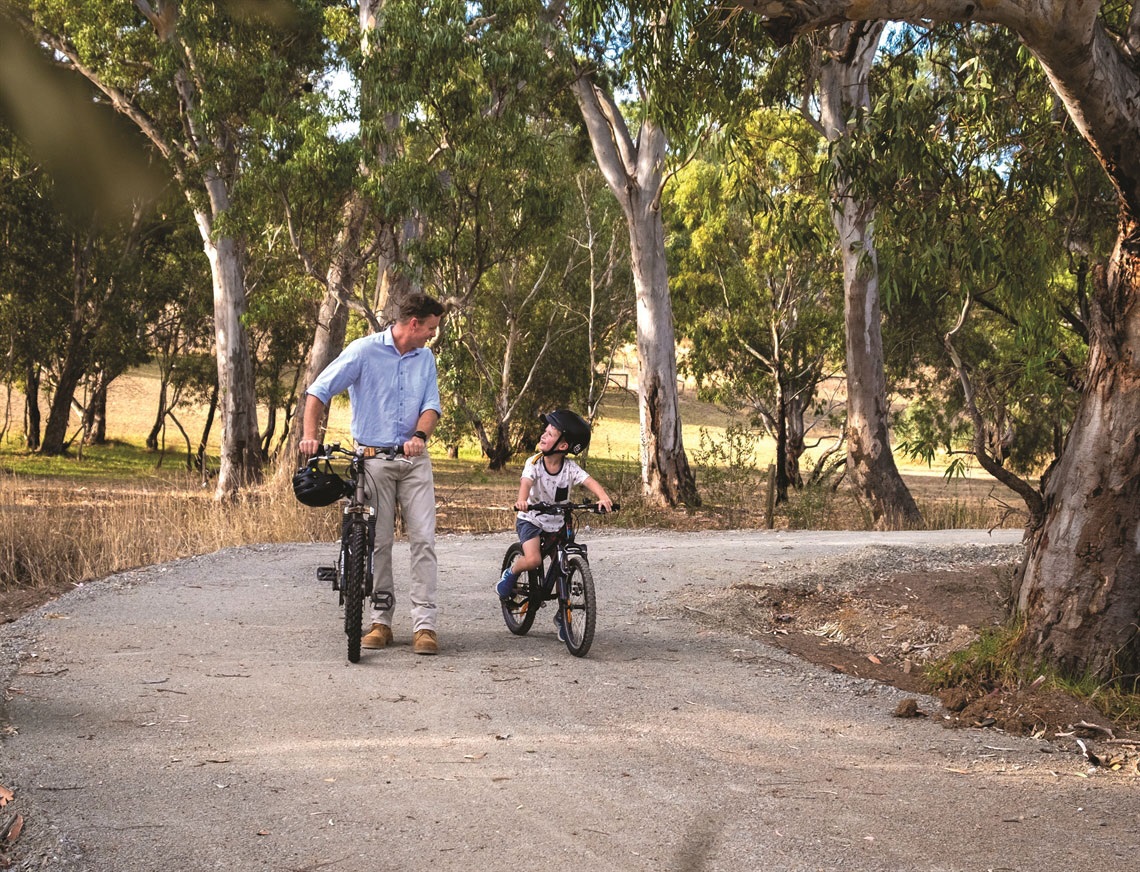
x: 425, y: 642
x: 378, y: 637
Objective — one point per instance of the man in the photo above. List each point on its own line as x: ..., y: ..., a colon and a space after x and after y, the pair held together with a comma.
x: 393, y: 389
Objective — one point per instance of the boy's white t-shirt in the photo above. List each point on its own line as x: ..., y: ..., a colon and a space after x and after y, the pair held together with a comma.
x: 548, y: 488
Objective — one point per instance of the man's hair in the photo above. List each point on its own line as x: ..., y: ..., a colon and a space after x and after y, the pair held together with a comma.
x: 419, y: 306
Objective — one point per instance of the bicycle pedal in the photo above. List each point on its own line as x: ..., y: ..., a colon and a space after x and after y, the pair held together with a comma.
x: 326, y: 573
x: 383, y: 600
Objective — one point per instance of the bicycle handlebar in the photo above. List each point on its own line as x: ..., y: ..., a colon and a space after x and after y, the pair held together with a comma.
x: 560, y: 508
x: 327, y: 452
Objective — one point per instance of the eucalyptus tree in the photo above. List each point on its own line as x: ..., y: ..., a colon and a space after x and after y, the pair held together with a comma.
x: 440, y: 176
x: 198, y: 80
x: 845, y: 56
x: 829, y: 82
x: 1079, y: 592
x: 997, y: 174
x: 34, y: 237
x: 756, y: 281
x: 675, y: 86
x: 105, y: 304
x: 542, y: 327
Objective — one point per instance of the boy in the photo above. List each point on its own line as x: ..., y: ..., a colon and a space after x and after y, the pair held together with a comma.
x: 548, y: 477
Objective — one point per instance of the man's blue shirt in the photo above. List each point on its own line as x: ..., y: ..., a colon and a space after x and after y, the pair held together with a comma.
x: 388, y: 390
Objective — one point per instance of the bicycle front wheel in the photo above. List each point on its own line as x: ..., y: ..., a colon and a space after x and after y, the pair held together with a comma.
x: 580, y: 607
x: 357, y: 557
x: 519, y: 608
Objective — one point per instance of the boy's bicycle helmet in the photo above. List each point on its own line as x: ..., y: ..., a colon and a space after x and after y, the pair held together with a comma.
x: 572, y: 426
x: 315, y: 487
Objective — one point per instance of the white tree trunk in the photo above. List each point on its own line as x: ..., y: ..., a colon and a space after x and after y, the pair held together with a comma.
x: 635, y: 174
x: 237, y: 398
x: 870, y: 461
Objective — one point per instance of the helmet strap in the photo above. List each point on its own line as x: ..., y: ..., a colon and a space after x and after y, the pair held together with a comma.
x: 556, y: 450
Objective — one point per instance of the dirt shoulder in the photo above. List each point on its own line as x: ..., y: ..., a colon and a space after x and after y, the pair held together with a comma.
x: 201, y: 714
x: 873, y: 616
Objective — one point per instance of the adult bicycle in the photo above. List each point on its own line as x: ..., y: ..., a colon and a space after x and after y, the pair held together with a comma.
x: 351, y: 577
x: 563, y: 576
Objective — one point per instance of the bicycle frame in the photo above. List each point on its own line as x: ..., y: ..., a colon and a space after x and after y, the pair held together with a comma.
x: 557, y: 547
x: 352, y: 575
x: 567, y: 579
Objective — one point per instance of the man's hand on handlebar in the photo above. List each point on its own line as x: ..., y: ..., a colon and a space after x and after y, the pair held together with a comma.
x: 308, y: 447
x: 414, y: 447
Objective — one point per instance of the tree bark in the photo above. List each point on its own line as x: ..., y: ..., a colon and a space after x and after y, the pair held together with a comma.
x: 1080, y: 589
x: 781, y: 440
x: 32, y: 407
x: 160, y: 415
x: 240, y: 462
x: 211, y: 412
x: 59, y: 415
x: 74, y: 362
x: 95, y: 416
x: 870, y: 461
x: 635, y: 174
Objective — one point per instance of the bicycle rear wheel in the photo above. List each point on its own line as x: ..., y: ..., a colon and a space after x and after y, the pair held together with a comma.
x: 520, y: 607
x: 357, y: 557
x: 580, y: 608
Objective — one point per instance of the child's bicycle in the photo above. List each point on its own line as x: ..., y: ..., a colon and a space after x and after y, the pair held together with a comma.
x: 352, y: 574
x: 564, y: 575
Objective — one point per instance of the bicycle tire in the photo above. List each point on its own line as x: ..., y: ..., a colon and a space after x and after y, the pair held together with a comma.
x: 354, y: 594
x: 519, y: 609
x: 580, y: 608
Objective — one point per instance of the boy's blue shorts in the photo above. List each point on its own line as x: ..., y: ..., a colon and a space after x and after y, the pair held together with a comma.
x: 527, y: 530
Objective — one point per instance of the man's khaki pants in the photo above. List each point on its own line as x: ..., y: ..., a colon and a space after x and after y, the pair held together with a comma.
x: 411, y: 486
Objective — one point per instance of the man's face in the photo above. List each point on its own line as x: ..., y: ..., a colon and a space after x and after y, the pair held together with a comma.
x: 550, y: 438
x: 422, y: 330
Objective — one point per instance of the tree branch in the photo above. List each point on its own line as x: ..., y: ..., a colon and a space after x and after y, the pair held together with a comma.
x: 1032, y: 497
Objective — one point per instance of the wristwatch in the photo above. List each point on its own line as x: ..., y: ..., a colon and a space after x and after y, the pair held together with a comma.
x: 421, y: 434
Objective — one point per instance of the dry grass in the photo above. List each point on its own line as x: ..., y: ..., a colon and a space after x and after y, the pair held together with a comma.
x: 51, y: 535
x: 64, y: 521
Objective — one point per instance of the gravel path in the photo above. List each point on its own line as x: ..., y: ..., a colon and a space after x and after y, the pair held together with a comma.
x: 201, y: 715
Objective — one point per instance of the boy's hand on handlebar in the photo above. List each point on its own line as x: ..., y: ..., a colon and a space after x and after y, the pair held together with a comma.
x: 605, y: 506
x: 521, y: 505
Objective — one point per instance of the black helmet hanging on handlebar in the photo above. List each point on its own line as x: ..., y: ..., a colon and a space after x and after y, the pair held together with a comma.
x: 572, y: 426
x: 316, y: 487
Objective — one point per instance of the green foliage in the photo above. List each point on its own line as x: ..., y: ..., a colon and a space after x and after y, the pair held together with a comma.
x: 693, y: 65
x: 754, y: 275
x: 538, y: 331
x: 984, y: 193
x: 35, y: 239
x: 728, y: 471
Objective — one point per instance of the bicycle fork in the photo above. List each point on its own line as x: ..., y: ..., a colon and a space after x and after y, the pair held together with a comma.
x: 558, y: 575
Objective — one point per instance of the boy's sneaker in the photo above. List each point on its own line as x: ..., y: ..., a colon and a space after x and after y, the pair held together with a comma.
x: 561, y: 627
x: 506, y: 585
